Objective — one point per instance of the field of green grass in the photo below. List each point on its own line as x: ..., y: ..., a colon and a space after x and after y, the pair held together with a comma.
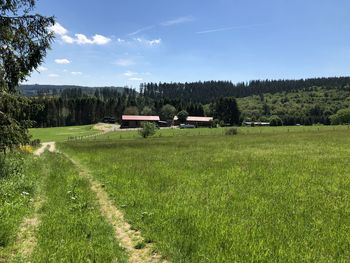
x: 59, y: 134
x: 70, y: 226
x: 267, y: 194
x: 134, y: 134
x: 198, y: 195
x: 16, y: 194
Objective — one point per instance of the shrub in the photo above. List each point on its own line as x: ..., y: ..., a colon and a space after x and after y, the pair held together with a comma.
x: 215, y: 123
x: 182, y: 116
x: 167, y: 112
x: 148, y: 129
x: 341, y: 117
x: 35, y: 143
x: 11, y: 165
x: 275, y: 121
x: 231, y: 131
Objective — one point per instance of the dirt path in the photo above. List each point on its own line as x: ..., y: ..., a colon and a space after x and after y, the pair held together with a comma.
x: 128, y: 238
x: 50, y: 145
x: 125, y: 235
x: 26, y: 238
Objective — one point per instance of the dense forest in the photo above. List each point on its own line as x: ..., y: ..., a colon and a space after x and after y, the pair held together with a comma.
x: 206, y: 92
x: 307, y: 106
x: 307, y: 102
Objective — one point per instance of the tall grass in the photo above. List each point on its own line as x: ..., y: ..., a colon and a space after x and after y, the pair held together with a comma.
x: 72, y: 228
x: 276, y: 196
x: 17, y: 190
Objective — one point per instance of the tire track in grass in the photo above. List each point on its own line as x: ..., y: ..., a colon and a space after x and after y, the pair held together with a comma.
x: 130, y: 239
x: 26, y: 238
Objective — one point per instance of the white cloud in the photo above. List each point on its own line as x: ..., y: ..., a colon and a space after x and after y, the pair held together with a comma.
x: 81, y: 39
x: 58, y: 29
x: 179, y: 20
x: 100, y: 40
x: 67, y: 39
x: 130, y: 73
x: 53, y: 75
x: 120, y: 40
x: 42, y: 69
x: 136, y: 79
x: 76, y: 73
x: 222, y: 29
x: 141, y: 30
x: 124, y: 62
x: 62, y: 61
x: 152, y: 42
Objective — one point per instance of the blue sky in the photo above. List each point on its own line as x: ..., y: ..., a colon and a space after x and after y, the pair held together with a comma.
x: 111, y: 42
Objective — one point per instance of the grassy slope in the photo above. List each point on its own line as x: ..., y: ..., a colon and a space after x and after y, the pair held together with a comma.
x: 60, y: 134
x: 297, y: 103
x: 274, y: 196
x: 72, y: 227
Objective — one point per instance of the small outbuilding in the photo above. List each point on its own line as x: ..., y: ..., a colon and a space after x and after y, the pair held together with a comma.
x: 135, y: 121
x: 196, y: 121
x: 255, y: 123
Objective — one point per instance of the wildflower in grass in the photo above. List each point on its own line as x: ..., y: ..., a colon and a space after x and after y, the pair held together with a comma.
x: 26, y: 149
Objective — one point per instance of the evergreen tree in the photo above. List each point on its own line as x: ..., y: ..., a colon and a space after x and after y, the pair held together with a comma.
x: 226, y: 110
x: 24, y: 40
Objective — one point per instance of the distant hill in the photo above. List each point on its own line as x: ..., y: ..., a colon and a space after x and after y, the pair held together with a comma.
x: 208, y: 91
x: 305, y: 106
x: 47, y: 90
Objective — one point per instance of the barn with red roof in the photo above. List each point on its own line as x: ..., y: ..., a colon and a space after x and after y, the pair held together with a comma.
x: 135, y: 121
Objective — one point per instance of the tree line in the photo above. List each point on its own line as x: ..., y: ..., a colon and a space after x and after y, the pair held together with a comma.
x: 294, y: 102
x: 207, y: 91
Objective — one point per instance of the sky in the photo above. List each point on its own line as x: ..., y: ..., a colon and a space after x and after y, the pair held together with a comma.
x: 119, y: 43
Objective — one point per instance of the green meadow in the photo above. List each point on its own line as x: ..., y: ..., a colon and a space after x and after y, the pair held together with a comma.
x: 70, y: 229
x: 266, y: 194
x: 59, y: 134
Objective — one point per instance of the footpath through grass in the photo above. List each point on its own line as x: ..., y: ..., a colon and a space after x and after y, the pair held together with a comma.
x: 72, y: 228
x: 274, y: 196
x: 70, y: 225
x: 17, y: 191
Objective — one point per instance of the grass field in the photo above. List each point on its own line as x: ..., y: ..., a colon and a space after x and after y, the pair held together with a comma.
x: 266, y: 194
x: 16, y: 196
x: 269, y: 194
x: 131, y: 135
x: 70, y: 226
x: 60, y: 134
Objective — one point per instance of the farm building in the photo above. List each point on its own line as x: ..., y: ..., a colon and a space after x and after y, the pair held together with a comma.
x: 134, y: 121
x: 196, y: 121
x: 256, y: 123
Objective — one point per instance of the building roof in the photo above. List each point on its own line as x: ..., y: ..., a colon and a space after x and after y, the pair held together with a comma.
x: 197, y: 119
x: 255, y: 123
x: 139, y: 118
